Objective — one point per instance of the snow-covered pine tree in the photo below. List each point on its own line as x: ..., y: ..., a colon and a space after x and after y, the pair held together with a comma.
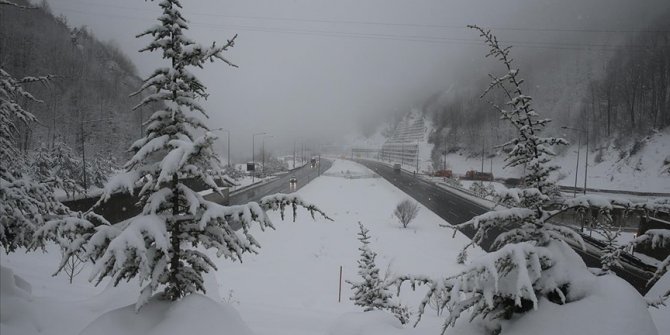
x: 41, y: 164
x: 163, y: 246
x: 24, y: 203
x: 372, y: 292
x: 532, y: 259
x: 101, y: 169
x: 66, y: 168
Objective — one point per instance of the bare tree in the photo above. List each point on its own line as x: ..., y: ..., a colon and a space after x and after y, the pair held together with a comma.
x: 73, y: 266
x: 406, y: 211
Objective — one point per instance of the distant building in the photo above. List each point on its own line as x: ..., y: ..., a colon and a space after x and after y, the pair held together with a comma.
x: 403, y: 146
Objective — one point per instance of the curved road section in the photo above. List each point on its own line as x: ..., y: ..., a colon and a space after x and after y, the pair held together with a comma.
x: 122, y: 206
x: 303, y: 175
x: 455, y: 209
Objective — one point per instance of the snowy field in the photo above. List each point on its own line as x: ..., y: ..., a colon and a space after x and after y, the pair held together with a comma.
x: 290, y: 287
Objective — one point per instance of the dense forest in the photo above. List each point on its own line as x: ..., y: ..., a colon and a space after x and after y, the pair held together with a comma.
x: 617, y: 95
x: 86, y: 102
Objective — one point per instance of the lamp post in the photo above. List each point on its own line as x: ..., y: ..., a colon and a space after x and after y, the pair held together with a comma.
x: 253, y: 159
x: 586, y: 162
x: 228, y: 142
x: 228, y: 145
x: 263, y: 151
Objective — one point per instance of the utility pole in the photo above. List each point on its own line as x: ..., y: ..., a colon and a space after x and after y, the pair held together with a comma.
x: 579, y: 145
x: 263, y: 152
x: 83, y: 153
x: 586, y: 161
x: 417, y: 157
x: 294, y: 154
x: 482, y: 156
x: 445, y: 155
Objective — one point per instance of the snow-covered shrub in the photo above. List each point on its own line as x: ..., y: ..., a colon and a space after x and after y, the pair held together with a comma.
x: 272, y: 166
x: 454, y: 182
x: 637, y: 147
x: 406, y: 211
x: 485, y: 191
x: 372, y: 292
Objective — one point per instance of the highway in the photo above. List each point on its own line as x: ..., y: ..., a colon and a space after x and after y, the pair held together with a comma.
x: 122, y: 206
x: 455, y: 210
x: 303, y: 174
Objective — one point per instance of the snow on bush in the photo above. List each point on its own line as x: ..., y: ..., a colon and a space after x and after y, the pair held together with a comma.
x: 195, y: 314
x: 372, y: 292
x: 368, y: 323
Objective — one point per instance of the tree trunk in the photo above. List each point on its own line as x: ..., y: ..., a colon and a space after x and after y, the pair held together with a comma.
x: 174, y: 285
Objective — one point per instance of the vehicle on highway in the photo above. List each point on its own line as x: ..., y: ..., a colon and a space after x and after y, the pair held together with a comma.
x: 293, y: 182
x: 396, y: 167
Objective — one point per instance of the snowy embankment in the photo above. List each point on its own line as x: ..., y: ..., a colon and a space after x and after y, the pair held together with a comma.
x: 646, y: 170
x: 290, y: 287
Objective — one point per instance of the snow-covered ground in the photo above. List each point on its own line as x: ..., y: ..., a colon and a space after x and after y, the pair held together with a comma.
x: 643, y: 171
x: 290, y: 287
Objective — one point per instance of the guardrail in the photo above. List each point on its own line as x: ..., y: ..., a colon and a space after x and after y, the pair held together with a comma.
x: 600, y: 190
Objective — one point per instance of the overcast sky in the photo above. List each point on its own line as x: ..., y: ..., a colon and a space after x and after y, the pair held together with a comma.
x: 324, y: 68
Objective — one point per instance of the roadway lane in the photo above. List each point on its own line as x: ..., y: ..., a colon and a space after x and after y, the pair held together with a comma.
x: 452, y: 208
x: 455, y: 210
x: 303, y: 174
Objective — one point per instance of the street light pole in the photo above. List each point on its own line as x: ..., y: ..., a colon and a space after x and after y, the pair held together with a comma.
x: 263, y: 152
x: 253, y: 158
x: 586, y: 161
x: 228, y: 131
x: 579, y: 145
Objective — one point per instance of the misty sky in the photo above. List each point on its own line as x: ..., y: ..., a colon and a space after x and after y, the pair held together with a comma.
x: 312, y: 68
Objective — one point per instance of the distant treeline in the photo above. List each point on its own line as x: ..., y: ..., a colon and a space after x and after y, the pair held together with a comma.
x: 617, y: 95
x: 89, y: 94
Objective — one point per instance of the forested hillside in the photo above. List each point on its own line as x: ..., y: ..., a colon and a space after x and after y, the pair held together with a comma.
x: 618, y: 91
x: 89, y: 92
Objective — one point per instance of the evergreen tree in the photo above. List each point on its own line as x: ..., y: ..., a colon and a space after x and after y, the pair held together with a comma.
x: 163, y: 245
x: 532, y: 258
x: 100, y: 169
x: 372, y: 292
x: 25, y: 204
x: 66, y: 167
